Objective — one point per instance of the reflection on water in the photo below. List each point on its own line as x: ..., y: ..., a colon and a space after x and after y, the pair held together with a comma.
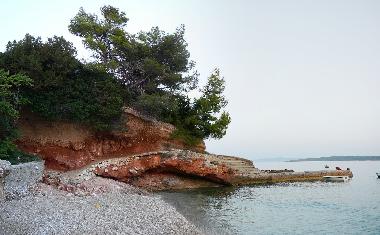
x: 288, y: 208
x: 196, y: 205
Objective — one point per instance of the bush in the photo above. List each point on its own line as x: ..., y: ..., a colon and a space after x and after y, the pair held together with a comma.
x: 154, y: 67
x: 90, y: 97
x: 10, y: 102
x: 64, y: 88
x: 150, y: 71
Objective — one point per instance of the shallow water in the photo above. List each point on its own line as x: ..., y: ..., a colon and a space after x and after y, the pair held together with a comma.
x: 288, y: 208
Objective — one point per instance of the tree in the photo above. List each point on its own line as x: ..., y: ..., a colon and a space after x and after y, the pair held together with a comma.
x: 150, y: 71
x: 48, y: 64
x: 64, y: 88
x: 10, y: 102
x: 148, y: 62
x: 155, y: 69
x: 210, y: 104
x: 203, y: 118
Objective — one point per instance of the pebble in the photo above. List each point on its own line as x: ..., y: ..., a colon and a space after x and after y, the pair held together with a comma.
x: 108, y: 213
x: 101, y: 206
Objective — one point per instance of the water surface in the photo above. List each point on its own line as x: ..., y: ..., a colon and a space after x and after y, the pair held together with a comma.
x: 288, y: 208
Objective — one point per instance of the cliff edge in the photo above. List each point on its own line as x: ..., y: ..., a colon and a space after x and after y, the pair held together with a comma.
x: 141, y: 153
x: 67, y: 146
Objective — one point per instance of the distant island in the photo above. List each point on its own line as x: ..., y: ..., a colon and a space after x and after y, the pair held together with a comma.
x: 339, y: 158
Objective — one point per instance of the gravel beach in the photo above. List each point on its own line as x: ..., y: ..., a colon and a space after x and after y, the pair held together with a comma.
x: 116, y: 209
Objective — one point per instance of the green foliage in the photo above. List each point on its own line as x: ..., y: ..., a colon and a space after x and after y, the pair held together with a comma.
x: 155, y: 69
x: 150, y: 71
x: 9, y: 152
x: 199, y: 119
x: 148, y: 62
x: 48, y: 64
x: 10, y: 102
x: 64, y: 88
x: 89, y: 97
x: 160, y: 106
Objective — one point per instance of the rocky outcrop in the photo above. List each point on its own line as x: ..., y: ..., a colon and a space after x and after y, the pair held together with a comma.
x: 141, y: 153
x: 179, y: 169
x: 263, y: 177
x: 67, y: 146
x: 167, y: 170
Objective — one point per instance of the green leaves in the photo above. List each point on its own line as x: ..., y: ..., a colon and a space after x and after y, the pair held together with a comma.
x: 150, y: 71
x: 154, y: 67
x: 89, y: 96
x: 63, y: 88
x: 48, y: 64
x: 201, y: 118
x: 10, y: 102
x: 144, y: 63
x: 10, y: 97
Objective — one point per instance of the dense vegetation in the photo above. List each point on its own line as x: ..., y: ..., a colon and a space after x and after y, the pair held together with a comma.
x: 64, y: 88
x: 155, y: 71
x: 150, y: 71
x: 10, y: 101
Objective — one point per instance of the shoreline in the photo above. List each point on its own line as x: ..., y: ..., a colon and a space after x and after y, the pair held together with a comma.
x: 98, y: 206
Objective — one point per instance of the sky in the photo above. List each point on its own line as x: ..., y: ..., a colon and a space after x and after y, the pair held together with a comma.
x: 302, y: 77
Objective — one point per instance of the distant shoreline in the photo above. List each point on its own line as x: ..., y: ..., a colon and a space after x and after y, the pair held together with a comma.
x: 339, y: 158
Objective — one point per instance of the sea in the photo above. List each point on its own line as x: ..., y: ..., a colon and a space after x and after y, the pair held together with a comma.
x: 351, y: 207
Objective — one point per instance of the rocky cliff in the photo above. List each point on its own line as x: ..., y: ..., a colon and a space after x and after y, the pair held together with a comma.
x: 67, y: 146
x: 141, y: 153
x: 180, y: 169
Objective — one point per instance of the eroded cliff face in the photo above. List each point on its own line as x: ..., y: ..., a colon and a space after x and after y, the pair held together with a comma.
x: 162, y: 170
x: 67, y: 146
x: 174, y: 169
x: 180, y: 169
x: 141, y: 153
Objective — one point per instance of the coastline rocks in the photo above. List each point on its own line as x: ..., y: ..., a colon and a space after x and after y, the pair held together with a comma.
x: 162, y: 170
x: 182, y: 169
x: 176, y: 169
x: 141, y: 153
x: 269, y: 178
x: 68, y: 146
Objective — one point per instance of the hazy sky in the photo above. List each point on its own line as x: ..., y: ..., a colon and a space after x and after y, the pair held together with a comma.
x: 302, y: 77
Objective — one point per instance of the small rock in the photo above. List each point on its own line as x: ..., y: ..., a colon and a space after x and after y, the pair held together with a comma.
x: 133, y: 171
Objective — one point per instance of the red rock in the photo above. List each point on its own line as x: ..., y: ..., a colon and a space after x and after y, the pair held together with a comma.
x: 183, y: 168
x: 67, y: 146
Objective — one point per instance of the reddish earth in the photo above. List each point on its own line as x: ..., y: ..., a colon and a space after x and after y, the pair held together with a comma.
x: 180, y: 169
x: 141, y: 153
x: 67, y: 146
x: 173, y: 169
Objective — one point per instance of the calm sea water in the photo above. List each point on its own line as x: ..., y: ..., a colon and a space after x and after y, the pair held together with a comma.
x: 288, y: 208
